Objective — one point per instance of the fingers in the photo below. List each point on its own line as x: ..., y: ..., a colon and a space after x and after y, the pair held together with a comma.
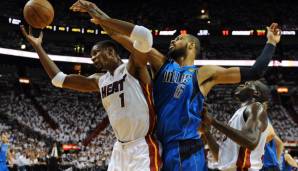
x: 76, y: 6
x: 81, y: 2
x: 274, y: 28
x: 41, y: 35
x: 95, y: 21
x: 24, y: 32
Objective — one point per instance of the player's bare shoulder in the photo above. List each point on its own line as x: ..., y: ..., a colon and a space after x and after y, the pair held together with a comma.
x: 96, y: 76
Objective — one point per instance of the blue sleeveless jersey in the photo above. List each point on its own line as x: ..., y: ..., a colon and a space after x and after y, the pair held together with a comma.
x: 270, y: 156
x: 178, y: 102
x: 3, y: 152
x: 3, y: 156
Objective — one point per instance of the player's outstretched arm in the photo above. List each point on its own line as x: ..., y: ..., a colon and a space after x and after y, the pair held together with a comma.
x: 59, y: 79
x: 210, y: 76
x: 249, y: 136
x: 289, y: 159
x: 141, y: 37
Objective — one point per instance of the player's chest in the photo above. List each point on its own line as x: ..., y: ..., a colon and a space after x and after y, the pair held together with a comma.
x: 178, y: 82
x: 112, y: 85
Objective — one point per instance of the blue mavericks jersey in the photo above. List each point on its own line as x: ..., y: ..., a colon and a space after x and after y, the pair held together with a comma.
x: 3, y: 156
x: 3, y: 152
x: 270, y: 156
x: 178, y: 102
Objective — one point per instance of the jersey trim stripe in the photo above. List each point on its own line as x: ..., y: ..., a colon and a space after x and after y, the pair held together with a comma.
x: 155, y: 160
x: 243, y: 161
x: 147, y: 91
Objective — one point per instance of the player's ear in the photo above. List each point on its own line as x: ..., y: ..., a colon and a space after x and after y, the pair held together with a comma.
x: 191, y: 45
x: 111, y: 51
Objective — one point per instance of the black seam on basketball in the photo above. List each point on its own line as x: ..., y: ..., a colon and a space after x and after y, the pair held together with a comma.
x: 37, y: 14
x: 31, y: 16
x: 45, y: 8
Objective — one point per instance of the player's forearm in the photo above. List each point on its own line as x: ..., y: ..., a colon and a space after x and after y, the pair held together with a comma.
x: 110, y: 24
x: 247, y: 139
x: 213, y: 146
x: 49, y: 66
x: 118, y: 26
x: 260, y: 66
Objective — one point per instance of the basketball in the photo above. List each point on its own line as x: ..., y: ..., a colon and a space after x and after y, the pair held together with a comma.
x: 38, y: 13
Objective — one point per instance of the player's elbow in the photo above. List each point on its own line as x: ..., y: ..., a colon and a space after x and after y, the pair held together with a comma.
x: 252, y: 143
x: 58, y: 79
x: 255, y: 75
x: 143, y: 39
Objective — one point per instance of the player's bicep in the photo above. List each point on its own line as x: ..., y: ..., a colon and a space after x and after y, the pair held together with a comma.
x: 227, y: 75
x: 209, y: 76
x: 81, y: 83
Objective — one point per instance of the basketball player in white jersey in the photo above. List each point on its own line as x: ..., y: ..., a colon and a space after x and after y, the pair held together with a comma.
x: 126, y: 96
x: 246, y: 132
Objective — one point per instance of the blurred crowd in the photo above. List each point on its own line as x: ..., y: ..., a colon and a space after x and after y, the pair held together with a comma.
x: 168, y: 15
x: 175, y: 14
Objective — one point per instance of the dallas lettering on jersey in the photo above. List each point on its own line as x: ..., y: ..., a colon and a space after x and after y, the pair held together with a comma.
x: 180, y: 79
x: 112, y: 88
x: 176, y: 77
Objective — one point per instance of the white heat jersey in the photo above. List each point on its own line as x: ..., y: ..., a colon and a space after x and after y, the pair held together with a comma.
x: 125, y: 103
x: 233, y: 157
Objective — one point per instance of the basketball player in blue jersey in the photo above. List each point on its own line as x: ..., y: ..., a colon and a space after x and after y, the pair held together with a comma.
x: 5, y: 155
x: 180, y: 89
x: 273, y: 150
x: 287, y: 162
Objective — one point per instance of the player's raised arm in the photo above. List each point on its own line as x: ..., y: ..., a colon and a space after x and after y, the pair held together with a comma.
x: 249, y: 136
x: 289, y: 159
x: 59, y: 79
x: 140, y: 36
x: 210, y: 76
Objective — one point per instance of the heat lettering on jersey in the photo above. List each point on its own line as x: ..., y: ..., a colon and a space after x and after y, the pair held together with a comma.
x: 176, y: 77
x: 113, y: 87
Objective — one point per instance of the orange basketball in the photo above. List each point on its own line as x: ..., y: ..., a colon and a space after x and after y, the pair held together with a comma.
x: 38, y: 13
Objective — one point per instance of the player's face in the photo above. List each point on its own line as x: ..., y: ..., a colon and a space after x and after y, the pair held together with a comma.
x: 178, y: 47
x: 4, y: 138
x: 245, y: 91
x: 104, y: 58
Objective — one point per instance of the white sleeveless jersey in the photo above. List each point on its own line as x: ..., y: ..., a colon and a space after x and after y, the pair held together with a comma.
x: 233, y: 157
x: 125, y: 103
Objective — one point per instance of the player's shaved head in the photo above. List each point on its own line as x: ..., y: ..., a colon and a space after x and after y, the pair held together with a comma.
x: 106, y: 44
x: 196, y: 41
x: 264, y: 91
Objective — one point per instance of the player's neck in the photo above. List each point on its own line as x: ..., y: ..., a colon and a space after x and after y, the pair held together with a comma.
x: 185, y: 61
x: 112, y: 69
x: 248, y: 102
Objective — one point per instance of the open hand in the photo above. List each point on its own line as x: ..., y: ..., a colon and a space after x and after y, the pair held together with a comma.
x: 82, y: 6
x: 273, y: 34
x: 34, y: 41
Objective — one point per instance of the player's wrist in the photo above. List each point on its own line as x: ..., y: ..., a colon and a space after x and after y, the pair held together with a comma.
x: 36, y: 46
x: 269, y: 41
